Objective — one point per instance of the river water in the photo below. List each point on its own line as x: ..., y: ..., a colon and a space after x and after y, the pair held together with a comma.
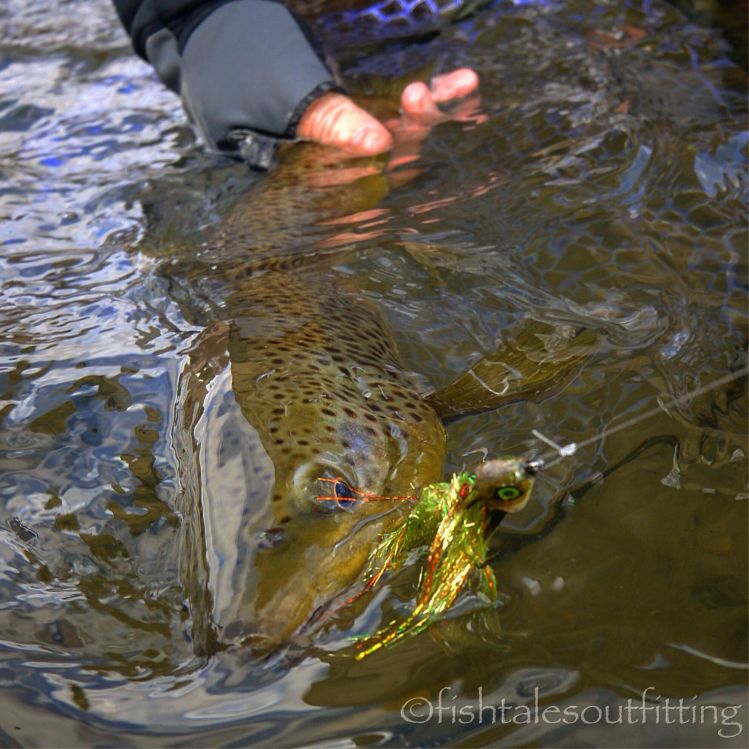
x: 605, y: 186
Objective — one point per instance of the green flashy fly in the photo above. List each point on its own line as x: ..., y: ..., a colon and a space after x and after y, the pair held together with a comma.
x: 452, y: 520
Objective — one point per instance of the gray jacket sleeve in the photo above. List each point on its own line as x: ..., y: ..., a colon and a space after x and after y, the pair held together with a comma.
x: 246, y: 73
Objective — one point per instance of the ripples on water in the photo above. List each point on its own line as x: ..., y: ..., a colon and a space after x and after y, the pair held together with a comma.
x: 607, y: 188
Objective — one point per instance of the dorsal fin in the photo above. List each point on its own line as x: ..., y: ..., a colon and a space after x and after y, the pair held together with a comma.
x: 534, y: 365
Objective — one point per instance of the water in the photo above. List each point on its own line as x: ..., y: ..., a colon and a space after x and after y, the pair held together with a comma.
x: 607, y: 188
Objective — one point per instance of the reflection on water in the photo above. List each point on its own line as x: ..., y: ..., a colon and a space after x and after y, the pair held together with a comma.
x: 607, y: 189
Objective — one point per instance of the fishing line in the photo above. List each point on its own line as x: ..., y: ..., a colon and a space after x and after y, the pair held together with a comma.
x: 566, y: 451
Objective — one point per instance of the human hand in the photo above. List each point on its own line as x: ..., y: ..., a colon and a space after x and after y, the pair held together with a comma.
x: 335, y: 120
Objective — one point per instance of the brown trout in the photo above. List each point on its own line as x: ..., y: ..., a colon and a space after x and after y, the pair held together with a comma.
x: 300, y: 380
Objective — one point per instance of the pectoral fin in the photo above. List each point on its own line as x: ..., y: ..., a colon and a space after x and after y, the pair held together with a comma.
x: 532, y: 366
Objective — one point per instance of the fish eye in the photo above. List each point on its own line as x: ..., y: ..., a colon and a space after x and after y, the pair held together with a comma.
x: 342, y: 490
x: 508, y: 492
x: 337, y: 493
x: 344, y: 494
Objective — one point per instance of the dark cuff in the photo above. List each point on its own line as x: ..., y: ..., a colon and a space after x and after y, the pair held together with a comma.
x: 259, y: 150
x: 249, y: 66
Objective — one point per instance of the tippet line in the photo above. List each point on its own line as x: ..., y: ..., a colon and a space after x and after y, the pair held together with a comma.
x: 565, y: 451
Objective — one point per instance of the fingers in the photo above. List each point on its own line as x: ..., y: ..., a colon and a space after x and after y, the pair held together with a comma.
x: 420, y: 111
x: 419, y: 102
x: 334, y: 120
x: 454, y: 85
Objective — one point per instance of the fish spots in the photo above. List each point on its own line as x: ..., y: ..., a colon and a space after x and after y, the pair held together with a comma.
x: 318, y: 376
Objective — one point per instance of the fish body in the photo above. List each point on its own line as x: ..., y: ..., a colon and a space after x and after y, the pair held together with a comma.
x: 294, y: 393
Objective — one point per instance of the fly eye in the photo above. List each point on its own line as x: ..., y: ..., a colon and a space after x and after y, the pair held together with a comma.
x: 506, y: 493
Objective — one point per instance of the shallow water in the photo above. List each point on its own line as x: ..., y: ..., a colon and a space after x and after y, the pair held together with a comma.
x: 606, y: 189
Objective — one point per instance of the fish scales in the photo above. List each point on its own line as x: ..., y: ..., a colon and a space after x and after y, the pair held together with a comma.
x: 299, y: 379
x: 320, y: 374
x: 320, y: 378
x: 317, y: 378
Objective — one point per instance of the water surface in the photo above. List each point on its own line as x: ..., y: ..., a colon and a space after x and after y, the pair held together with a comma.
x: 607, y: 188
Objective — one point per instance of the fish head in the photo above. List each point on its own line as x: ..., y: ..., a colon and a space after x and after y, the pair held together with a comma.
x: 346, y: 468
x: 347, y: 440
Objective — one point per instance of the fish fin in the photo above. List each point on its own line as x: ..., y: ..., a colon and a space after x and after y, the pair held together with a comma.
x: 538, y: 363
